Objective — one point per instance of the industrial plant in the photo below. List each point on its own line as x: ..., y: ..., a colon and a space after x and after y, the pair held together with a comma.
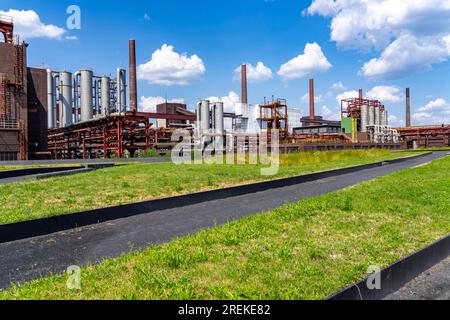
x: 57, y: 114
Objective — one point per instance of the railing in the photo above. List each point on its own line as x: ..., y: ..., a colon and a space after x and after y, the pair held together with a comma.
x: 5, y: 18
x: 9, y: 124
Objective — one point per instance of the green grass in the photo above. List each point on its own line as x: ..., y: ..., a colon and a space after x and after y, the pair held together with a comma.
x: 139, y: 182
x: 306, y: 250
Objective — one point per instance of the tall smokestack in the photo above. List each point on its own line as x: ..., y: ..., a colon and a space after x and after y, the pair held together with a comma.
x: 312, y: 115
x: 133, y: 81
x: 244, y: 83
x: 360, y: 94
x: 408, y: 108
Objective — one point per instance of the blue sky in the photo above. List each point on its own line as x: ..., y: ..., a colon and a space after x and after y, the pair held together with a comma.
x: 224, y: 34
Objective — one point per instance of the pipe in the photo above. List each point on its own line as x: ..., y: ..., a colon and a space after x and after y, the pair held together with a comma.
x: 51, y: 100
x: 312, y: 115
x: 121, y: 91
x: 244, y: 83
x: 408, y: 108
x: 133, y: 81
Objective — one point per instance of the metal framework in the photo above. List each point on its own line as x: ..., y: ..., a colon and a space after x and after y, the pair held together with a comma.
x: 352, y: 107
x: 426, y: 136
x: 110, y: 136
x: 274, y: 115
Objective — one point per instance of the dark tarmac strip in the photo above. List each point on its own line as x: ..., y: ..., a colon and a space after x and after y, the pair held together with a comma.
x: 433, y: 284
x: 29, y: 259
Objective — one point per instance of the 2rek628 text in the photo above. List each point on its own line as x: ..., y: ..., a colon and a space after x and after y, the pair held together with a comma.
x: 225, y: 310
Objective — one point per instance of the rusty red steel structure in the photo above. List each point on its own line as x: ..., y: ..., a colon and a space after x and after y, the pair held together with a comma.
x: 352, y: 107
x: 111, y: 136
x: 426, y: 136
x: 274, y: 115
x: 7, y: 28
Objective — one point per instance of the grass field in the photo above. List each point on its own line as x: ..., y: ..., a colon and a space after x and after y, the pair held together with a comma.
x: 306, y: 250
x: 34, y: 166
x: 138, y: 182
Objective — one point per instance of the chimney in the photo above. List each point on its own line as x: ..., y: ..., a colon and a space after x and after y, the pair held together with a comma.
x: 244, y: 83
x: 312, y: 115
x: 133, y: 81
x: 408, y: 108
x: 360, y: 94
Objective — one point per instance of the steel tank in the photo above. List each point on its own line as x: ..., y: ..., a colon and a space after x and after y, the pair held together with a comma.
x: 86, y: 95
x: 65, y: 79
x: 105, y: 95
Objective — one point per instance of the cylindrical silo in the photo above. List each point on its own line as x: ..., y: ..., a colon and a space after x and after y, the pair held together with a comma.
x: 106, y: 84
x: 51, y: 100
x: 121, y: 90
x: 86, y: 95
x: 205, y: 116
x: 364, y: 117
x: 65, y: 79
x: 377, y: 116
x: 219, y: 125
x: 371, y: 117
x: 199, y: 121
x: 386, y: 117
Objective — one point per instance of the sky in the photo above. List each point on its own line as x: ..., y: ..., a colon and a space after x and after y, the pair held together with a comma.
x: 189, y: 50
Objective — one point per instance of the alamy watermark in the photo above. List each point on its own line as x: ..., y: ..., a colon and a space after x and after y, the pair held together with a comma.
x: 74, y: 279
x: 234, y: 148
x: 74, y: 20
x: 374, y: 279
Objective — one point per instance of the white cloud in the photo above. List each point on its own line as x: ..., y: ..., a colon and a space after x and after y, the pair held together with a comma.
x: 406, y: 55
x: 347, y: 95
x: 435, y: 105
x: 338, y: 86
x: 330, y: 114
x: 385, y: 94
x: 168, y: 67
x: 435, y: 112
x: 411, y: 35
x: 254, y: 74
x: 229, y: 101
x: 394, y: 121
x: 148, y: 104
x: 312, y: 61
x: 305, y: 98
x: 27, y: 24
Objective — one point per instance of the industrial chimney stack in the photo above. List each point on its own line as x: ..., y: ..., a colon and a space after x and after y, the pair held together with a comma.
x: 360, y: 94
x: 133, y: 81
x: 408, y: 108
x: 312, y: 115
x: 244, y: 83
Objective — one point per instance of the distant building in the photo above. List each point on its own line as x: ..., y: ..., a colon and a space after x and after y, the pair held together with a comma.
x: 173, y: 109
x: 319, y: 125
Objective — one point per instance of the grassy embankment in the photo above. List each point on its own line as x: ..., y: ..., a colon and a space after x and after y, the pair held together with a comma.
x: 139, y: 182
x: 306, y: 250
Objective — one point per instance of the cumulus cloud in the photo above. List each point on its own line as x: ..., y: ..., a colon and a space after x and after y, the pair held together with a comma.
x: 411, y: 35
x: 319, y: 98
x: 434, y: 112
x: 169, y: 68
x: 338, y: 86
x: 394, y: 121
x: 256, y: 73
x: 385, y: 94
x: 347, y: 95
x: 312, y: 61
x: 229, y: 101
x: 28, y: 25
x: 148, y: 104
x: 331, y: 114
